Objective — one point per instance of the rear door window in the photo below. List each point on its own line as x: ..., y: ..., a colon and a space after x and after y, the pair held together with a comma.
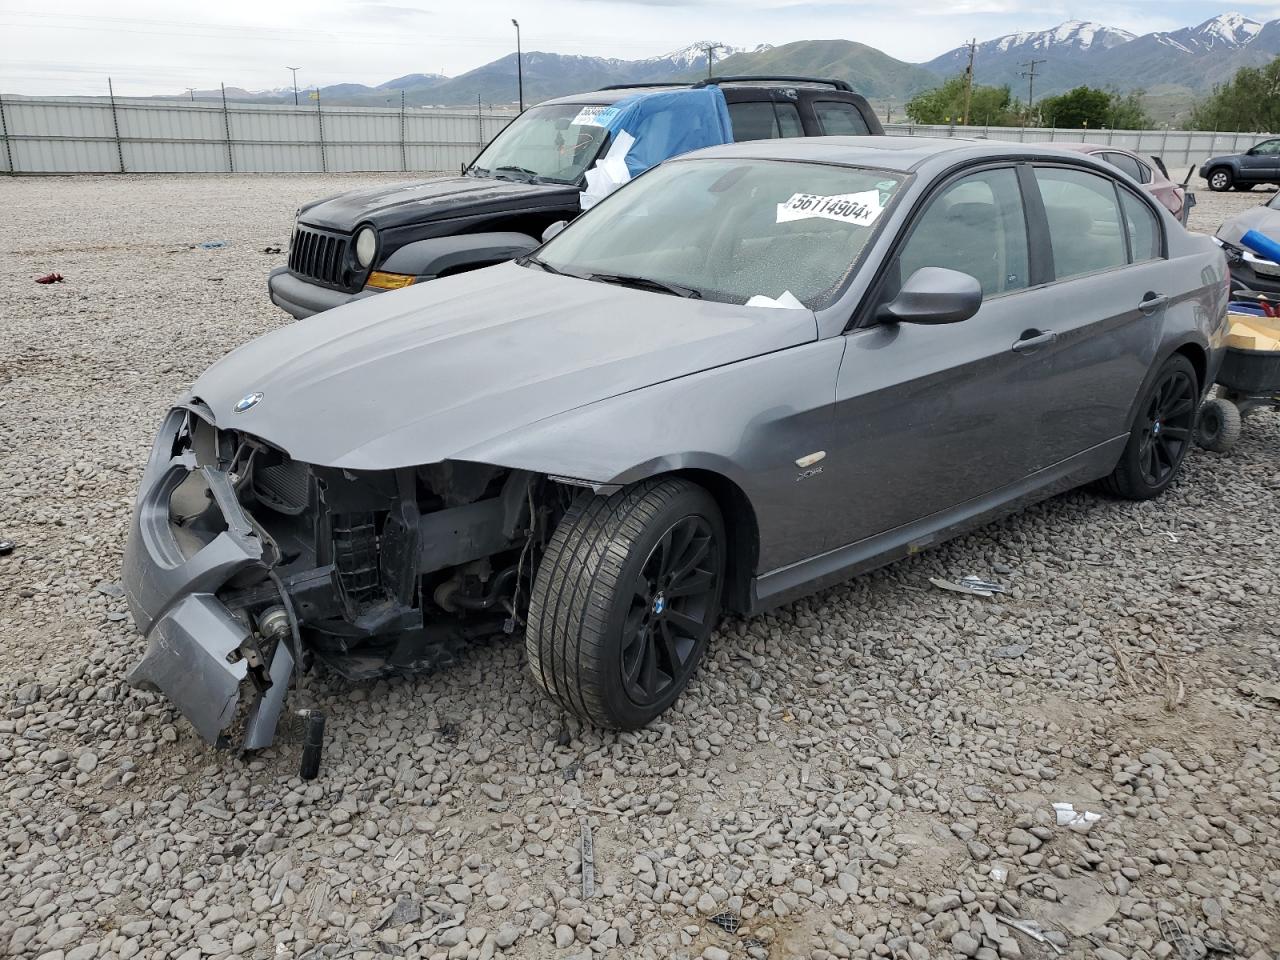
x: 840, y: 119
x: 1122, y: 161
x: 1085, y: 225
x: 764, y: 120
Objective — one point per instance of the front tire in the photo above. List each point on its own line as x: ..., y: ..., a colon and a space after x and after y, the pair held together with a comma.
x: 1161, y: 433
x: 625, y: 600
x: 1220, y: 180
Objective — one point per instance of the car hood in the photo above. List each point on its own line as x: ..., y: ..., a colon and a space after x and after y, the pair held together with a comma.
x: 400, y: 204
x: 422, y: 374
x: 1263, y: 219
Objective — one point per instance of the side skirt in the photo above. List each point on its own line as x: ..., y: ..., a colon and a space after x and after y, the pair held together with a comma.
x: 780, y: 586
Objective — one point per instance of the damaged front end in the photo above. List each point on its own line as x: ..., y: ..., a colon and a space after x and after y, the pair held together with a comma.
x: 244, y: 566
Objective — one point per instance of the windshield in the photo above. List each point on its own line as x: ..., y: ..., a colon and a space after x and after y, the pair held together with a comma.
x: 762, y: 232
x: 552, y: 142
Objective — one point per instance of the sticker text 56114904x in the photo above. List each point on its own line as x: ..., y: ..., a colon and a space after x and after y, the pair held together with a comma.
x: 861, y: 209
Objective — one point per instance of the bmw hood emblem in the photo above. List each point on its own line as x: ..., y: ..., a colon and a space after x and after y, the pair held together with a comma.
x: 248, y: 402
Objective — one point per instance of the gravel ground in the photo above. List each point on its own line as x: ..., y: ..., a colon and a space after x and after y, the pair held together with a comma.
x: 866, y: 773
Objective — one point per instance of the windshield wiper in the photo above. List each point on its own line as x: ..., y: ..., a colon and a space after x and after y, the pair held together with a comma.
x: 646, y: 283
x: 539, y: 262
x: 531, y: 174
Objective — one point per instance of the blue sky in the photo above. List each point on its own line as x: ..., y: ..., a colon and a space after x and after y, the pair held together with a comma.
x: 154, y: 46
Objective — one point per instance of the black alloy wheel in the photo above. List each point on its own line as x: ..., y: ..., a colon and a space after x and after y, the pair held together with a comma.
x: 625, y: 600
x: 673, y: 594
x: 1162, y: 431
x: 1169, y: 426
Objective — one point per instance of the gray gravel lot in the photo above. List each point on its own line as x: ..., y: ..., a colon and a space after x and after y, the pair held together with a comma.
x: 866, y: 773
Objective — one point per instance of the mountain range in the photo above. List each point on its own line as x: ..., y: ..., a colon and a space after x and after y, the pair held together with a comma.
x: 1179, y: 63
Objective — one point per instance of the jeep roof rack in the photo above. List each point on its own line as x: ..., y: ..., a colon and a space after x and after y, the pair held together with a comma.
x: 766, y: 78
x: 641, y: 86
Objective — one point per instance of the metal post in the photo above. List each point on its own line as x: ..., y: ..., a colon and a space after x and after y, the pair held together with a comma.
x: 226, y: 124
x: 115, y: 123
x: 324, y: 162
x: 4, y: 132
x: 519, y: 65
x: 404, y: 160
x: 479, y: 126
x: 1164, y: 144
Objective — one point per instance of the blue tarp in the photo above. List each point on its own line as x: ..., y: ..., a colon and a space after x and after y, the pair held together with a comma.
x: 668, y: 124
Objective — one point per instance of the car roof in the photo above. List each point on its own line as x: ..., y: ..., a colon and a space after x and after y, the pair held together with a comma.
x: 1097, y: 148
x: 891, y: 153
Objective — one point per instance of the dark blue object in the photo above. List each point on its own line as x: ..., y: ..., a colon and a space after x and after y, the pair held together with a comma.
x: 1262, y: 245
x: 1246, y: 308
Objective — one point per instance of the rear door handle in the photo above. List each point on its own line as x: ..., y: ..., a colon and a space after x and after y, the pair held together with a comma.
x: 1152, y: 302
x: 1033, y: 340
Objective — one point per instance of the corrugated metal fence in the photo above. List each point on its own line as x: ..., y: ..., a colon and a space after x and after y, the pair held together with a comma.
x: 1178, y: 149
x: 95, y: 135
x: 114, y: 135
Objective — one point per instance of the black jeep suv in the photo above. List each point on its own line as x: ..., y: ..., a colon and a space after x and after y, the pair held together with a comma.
x: 368, y: 241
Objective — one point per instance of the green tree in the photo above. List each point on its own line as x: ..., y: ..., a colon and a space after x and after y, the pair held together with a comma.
x: 1248, y: 101
x: 1089, y: 107
x: 945, y: 104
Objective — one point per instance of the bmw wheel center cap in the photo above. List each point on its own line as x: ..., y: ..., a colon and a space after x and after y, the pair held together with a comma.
x: 248, y: 402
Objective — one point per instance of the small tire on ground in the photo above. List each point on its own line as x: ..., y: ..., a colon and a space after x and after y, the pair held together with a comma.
x: 588, y: 604
x: 1218, y: 426
x: 1128, y: 479
x: 1220, y: 179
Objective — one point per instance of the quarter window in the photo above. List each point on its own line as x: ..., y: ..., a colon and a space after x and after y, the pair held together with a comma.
x: 764, y: 120
x: 840, y: 119
x: 976, y: 226
x: 1085, y: 225
x: 1144, y: 230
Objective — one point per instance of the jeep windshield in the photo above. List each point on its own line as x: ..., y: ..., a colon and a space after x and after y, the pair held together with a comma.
x: 553, y: 142
x: 757, y: 232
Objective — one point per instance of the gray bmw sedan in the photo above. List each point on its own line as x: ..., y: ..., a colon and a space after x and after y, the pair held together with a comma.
x: 755, y: 370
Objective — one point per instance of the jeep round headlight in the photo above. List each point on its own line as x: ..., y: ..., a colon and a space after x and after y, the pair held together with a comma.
x: 366, y: 246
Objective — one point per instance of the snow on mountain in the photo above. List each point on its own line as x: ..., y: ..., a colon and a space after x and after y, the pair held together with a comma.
x: 1233, y: 29
x: 695, y: 55
x: 1071, y: 35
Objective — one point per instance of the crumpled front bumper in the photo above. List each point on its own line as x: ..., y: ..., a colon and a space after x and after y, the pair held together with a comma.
x: 192, y: 638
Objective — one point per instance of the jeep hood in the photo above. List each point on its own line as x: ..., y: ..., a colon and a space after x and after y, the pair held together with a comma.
x: 426, y: 373
x: 400, y: 204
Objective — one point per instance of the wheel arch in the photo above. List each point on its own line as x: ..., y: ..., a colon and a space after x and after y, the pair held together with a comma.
x: 1199, y: 358
x: 741, y: 529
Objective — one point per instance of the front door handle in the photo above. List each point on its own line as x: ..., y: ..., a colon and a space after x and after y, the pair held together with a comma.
x: 1033, y: 340
x: 1152, y: 302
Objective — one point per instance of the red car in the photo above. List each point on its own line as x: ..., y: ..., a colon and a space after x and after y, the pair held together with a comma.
x: 1149, y: 172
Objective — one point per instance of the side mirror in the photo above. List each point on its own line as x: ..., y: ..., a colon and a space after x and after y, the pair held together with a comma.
x: 553, y: 229
x: 934, y: 295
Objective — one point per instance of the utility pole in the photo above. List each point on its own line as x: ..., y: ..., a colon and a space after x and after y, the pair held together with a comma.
x: 711, y: 49
x: 295, y: 83
x: 1030, y: 74
x: 519, y: 63
x: 191, y: 91
x: 968, y: 79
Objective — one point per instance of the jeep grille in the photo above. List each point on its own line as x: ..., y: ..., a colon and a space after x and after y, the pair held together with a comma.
x: 319, y: 256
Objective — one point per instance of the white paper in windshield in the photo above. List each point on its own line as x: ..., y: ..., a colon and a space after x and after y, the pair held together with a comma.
x: 860, y: 209
x: 594, y: 115
x: 787, y: 301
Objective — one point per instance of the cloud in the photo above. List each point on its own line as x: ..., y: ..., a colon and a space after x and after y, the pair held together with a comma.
x: 371, y: 9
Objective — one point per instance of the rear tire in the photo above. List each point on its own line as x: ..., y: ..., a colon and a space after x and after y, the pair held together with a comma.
x: 625, y: 599
x: 1218, y: 427
x: 1220, y: 179
x: 1161, y: 433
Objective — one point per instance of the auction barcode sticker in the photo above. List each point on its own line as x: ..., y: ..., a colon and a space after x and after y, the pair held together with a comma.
x: 856, y: 208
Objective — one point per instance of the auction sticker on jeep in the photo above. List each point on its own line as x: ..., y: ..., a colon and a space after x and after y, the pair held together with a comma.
x: 860, y: 209
x: 594, y: 115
